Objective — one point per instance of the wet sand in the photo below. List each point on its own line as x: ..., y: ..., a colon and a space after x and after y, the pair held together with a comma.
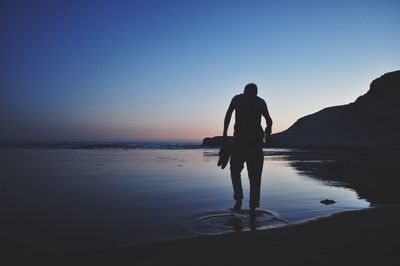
x: 367, y: 237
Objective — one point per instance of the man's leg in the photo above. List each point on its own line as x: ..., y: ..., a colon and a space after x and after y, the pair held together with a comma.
x: 255, y: 162
x: 237, y: 164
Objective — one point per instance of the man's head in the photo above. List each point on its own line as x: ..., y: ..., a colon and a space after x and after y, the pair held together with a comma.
x: 250, y: 90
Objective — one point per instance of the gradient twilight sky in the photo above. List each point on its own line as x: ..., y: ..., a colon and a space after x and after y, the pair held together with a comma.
x: 127, y: 70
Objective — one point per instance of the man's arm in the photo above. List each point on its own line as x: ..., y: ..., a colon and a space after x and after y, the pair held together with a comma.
x: 268, y: 120
x: 227, y: 119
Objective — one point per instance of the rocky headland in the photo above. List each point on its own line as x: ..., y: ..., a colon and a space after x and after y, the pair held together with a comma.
x: 372, y: 121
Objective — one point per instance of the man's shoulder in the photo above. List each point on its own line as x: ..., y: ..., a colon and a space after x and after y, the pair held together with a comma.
x: 261, y: 100
x: 237, y: 98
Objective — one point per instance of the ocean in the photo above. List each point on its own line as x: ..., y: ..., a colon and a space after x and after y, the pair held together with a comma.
x: 59, y: 197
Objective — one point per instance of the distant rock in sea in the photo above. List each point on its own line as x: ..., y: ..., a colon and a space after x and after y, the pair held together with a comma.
x: 215, y: 141
x: 371, y: 121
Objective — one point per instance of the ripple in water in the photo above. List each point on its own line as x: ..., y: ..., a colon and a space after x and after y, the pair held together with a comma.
x: 228, y: 222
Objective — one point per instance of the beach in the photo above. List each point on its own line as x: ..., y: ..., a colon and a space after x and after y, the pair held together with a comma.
x: 368, y: 237
x: 146, y: 206
x: 200, y: 133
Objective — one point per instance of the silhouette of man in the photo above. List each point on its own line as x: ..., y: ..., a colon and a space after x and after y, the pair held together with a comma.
x: 247, y: 145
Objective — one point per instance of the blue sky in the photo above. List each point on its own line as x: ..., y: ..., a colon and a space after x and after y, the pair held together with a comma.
x: 126, y: 70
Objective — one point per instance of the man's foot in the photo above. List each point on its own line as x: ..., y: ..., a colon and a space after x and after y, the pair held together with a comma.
x: 238, y: 206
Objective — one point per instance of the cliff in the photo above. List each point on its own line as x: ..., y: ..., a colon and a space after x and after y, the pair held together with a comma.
x: 371, y: 121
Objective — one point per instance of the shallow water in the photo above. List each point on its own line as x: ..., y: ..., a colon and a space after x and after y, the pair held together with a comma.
x: 62, y: 200
x: 224, y: 222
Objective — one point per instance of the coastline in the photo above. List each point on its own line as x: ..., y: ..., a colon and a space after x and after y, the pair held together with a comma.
x: 364, y: 237
x: 369, y: 237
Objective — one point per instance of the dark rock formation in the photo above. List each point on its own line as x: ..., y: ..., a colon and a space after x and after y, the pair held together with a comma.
x: 328, y: 202
x: 371, y: 121
x: 215, y: 141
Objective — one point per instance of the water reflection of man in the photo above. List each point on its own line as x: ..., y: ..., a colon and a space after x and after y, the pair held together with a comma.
x: 247, y: 145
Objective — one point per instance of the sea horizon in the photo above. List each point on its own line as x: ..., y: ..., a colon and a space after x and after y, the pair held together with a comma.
x: 101, y: 140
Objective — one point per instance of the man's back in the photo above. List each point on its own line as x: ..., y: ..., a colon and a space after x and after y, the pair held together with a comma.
x: 248, y: 111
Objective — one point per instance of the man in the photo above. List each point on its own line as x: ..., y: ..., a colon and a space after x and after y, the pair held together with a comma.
x: 247, y: 146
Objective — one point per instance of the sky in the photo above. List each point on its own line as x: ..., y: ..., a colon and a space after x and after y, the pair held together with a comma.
x: 167, y: 70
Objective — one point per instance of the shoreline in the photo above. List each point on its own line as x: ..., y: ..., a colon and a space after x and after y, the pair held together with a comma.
x: 369, y: 236
x: 354, y: 237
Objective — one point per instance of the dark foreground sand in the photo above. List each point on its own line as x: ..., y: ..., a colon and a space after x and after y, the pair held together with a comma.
x: 368, y: 237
